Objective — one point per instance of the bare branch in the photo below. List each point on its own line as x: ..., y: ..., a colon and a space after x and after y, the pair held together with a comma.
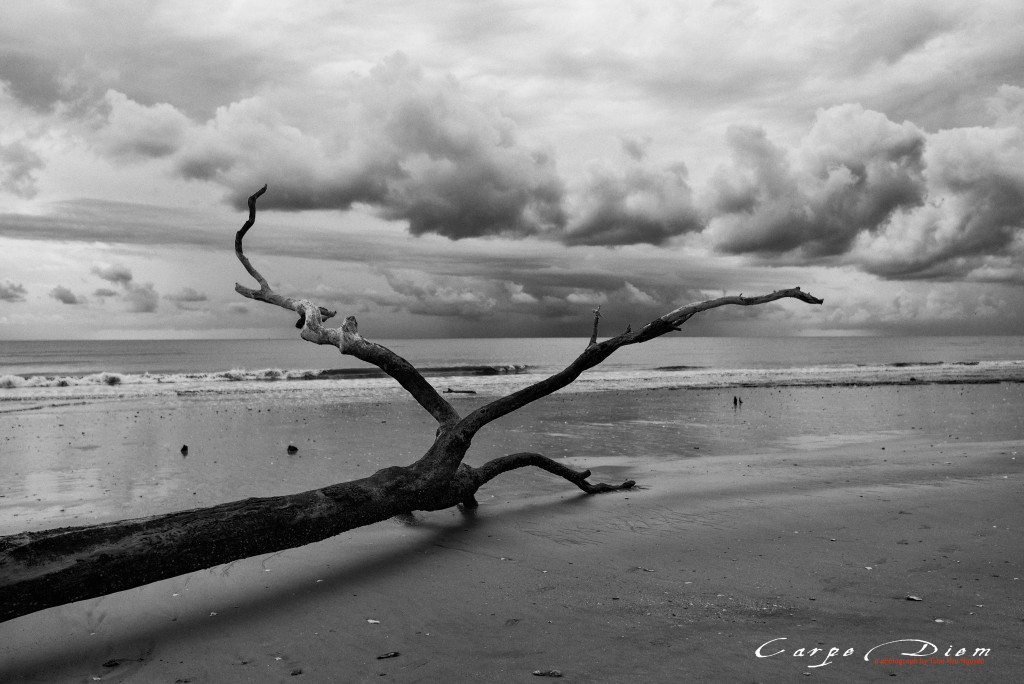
x: 346, y: 338
x: 503, y: 464
x: 598, y: 352
x: 265, y: 293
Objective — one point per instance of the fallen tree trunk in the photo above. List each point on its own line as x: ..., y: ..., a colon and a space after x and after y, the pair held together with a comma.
x: 40, y: 570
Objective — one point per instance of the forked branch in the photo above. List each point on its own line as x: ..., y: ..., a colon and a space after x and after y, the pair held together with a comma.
x: 346, y: 338
x: 597, y: 352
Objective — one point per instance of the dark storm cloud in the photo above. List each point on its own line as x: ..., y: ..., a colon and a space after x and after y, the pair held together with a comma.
x: 634, y: 205
x: 411, y: 147
x: 846, y: 180
x: 889, y: 198
x: 974, y: 220
x: 12, y: 292
x: 66, y: 296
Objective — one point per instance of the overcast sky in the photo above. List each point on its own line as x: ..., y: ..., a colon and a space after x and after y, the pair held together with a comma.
x: 499, y: 168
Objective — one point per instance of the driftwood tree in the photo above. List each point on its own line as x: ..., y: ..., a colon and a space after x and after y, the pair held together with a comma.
x: 49, y: 568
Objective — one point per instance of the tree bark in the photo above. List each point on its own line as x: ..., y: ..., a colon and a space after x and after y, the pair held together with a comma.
x: 40, y: 570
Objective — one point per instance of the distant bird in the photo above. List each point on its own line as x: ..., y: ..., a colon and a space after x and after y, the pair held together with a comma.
x: 735, y: 401
x: 184, y: 449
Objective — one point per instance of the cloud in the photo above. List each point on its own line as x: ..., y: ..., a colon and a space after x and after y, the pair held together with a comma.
x: 32, y: 79
x: 498, y: 301
x: 66, y: 296
x: 1007, y: 106
x: 89, y: 220
x: 187, y: 294
x: 115, y: 273
x: 185, y: 297
x: 413, y: 148
x: 18, y: 167
x: 444, y: 296
x: 852, y: 171
x: 135, y: 131
x: 141, y: 298
x: 633, y: 204
x: 974, y: 214
x: 635, y: 148
x: 104, y: 292
x: 12, y: 292
x: 889, y: 198
x: 138, y: 298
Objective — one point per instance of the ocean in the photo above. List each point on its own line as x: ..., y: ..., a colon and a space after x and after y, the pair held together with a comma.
x: 34, y: 374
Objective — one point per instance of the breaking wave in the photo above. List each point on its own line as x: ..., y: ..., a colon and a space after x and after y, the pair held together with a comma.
x: 19, y: 393
x: 111, y: 379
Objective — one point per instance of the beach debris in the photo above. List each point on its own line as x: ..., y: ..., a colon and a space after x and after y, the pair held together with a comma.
x: 911, y: 597
x: 455, y: 391
x: 292, y: 449
x: 374, y: 622
x: 296, y: 672
x: 184, y: 449
x: 640, y: 567
x: 389, y: 654
x: 112, y: 663
x: 547, y: 673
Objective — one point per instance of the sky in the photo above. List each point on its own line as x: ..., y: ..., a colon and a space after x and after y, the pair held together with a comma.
x: 501, y: 168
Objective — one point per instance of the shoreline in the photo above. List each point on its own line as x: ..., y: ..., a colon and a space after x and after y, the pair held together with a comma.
x: 808, y: 515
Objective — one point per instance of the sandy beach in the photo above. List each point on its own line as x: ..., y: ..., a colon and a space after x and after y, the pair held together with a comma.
x: 804, y: 519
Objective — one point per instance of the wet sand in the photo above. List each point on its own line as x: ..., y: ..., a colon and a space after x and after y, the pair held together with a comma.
x: 804, y: 518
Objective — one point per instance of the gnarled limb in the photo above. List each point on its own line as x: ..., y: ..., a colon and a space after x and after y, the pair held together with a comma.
x: 346, y: 338
x: 265, y: 293
x: 503, y: 464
